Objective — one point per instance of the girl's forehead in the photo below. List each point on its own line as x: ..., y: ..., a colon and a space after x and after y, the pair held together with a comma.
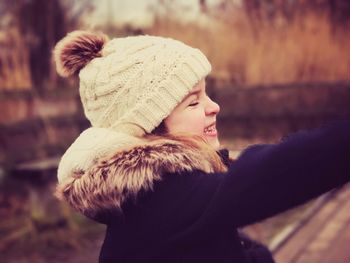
x: 195, y: 91
x: 198, y: 87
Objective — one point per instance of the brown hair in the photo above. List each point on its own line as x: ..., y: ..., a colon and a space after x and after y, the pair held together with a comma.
x: 196, y: 142
x: 161, y: 129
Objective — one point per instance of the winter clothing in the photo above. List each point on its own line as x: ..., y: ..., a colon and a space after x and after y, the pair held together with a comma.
x: 88, y: 183
x: 131, y: 84
x: 161, y: 199
x: 173, y: 211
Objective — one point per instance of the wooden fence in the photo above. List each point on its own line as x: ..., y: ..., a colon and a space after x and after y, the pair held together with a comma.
x: 270, y: 112
x: 34, y: 126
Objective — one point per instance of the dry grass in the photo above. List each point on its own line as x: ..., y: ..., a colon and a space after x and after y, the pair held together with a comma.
x: 14, y: 61
x: 305, y: 49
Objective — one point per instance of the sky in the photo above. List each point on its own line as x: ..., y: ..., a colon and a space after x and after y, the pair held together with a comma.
x: 135, y: 12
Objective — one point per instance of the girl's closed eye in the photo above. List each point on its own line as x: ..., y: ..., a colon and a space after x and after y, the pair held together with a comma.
x: 194, y: 103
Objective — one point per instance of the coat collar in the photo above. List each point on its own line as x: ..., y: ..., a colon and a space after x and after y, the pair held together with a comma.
x: 225, y: 156
x: 103, y: 168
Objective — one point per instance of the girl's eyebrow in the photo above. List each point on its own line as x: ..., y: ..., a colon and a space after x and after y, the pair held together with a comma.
x: 194, y: 92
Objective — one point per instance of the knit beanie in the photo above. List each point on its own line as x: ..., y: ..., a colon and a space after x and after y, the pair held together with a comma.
x: 129, y: 84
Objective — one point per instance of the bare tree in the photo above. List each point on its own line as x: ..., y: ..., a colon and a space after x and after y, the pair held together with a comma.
x: 41, y: 24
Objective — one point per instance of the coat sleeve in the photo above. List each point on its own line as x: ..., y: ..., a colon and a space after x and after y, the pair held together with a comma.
x: 268, y: 179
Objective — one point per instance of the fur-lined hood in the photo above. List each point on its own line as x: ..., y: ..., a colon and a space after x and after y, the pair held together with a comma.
x: 103, y: 168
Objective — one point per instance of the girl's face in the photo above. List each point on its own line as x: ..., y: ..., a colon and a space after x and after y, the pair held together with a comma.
x: 196, y: 114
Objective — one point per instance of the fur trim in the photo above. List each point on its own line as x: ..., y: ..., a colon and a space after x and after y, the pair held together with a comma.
x: 111, y: 180
x: 76, y: 50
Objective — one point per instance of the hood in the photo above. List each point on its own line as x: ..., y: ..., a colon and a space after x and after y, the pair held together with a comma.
x: 103, y: 168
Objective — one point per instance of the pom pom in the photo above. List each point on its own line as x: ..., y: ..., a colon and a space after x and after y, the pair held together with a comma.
x: 76, y: 50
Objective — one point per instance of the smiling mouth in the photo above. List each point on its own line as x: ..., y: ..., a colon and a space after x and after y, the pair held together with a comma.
x: 210, y: 130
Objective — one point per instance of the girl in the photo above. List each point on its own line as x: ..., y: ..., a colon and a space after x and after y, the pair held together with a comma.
x: 151, y: 167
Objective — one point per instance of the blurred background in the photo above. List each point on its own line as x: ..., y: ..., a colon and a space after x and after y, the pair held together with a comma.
x: 278, y: 66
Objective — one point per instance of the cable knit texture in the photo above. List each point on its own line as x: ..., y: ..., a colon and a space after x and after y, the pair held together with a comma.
x: 127, y: 87
x: 130, y: 84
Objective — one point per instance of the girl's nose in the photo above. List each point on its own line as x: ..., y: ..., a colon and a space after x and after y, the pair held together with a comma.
x: 212, y: 107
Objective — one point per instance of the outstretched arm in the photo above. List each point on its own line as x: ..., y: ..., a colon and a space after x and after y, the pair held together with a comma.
x: 267, y: 179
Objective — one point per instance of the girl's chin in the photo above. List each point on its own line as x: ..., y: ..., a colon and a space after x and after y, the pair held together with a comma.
x: 214, y: 142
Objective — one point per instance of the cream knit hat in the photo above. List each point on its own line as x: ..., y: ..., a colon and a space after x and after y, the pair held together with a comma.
x: 130, y: 84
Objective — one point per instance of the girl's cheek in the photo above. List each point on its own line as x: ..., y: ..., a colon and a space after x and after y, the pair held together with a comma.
x: 189, y: 125
x: 197, y: 125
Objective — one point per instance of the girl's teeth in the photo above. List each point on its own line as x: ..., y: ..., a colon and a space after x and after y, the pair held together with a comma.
x: 209, y: 130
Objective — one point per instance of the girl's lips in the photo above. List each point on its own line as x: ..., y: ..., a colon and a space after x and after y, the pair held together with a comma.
x: 212, y: 132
